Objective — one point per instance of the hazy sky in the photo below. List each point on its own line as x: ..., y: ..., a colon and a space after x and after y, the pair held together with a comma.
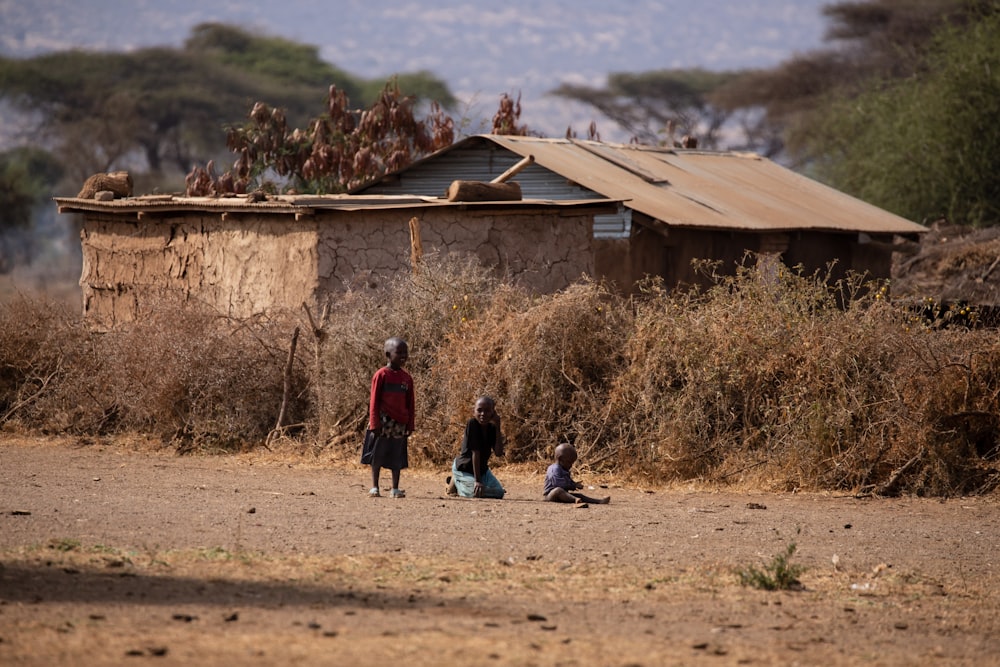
x: 480, y: 50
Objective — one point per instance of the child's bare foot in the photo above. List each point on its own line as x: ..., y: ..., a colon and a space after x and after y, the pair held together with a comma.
x: 605, y: 500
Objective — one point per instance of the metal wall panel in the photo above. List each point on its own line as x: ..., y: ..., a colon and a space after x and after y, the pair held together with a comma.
x: 433, y: 177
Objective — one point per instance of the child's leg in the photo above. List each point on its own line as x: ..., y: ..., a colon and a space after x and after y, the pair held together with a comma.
x: 560, y: 495
x: 587, y: 499
x: 464, y: 482
x: 395, y: 478
x: 491, y: 486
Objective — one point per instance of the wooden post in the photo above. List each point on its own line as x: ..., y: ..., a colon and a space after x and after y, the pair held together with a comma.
x: 514, y: 170
x: 321, y: 335
x: 287, y: 389
x: 416, y: 247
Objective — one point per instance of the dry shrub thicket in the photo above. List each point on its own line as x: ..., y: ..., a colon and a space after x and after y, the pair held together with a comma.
x: 181, y: 373
x: 769, y: 379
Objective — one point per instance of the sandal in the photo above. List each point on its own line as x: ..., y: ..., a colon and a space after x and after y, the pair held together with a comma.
x: 374, y: 492
x: 397, y: 493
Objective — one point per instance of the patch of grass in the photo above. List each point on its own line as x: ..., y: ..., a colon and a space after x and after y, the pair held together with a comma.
x: 778, y: 575
x: 64, y: 544
x: 215, y: 553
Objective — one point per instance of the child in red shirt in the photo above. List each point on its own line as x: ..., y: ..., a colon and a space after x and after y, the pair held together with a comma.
x: 391, y: 410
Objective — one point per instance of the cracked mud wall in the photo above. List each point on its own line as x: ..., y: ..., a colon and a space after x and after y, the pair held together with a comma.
x: 251, y: 263
x: 540, y: 251
x: 238, y: 266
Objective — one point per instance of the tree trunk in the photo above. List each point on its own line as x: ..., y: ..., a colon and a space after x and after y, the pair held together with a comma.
x: 477, y: 191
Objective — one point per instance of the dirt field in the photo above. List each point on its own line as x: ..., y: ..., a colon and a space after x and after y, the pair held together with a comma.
x: 112, y: 556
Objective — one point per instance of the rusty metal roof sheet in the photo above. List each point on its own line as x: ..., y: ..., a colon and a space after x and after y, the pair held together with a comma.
x: 704, y: 189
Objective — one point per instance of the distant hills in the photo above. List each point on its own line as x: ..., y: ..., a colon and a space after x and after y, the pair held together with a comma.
x: 480, y: 50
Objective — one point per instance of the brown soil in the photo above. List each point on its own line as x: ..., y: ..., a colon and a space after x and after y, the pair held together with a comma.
x: 115, y: 555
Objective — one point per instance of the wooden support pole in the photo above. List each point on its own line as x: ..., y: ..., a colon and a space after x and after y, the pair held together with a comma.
x: 514, y: 170
x: 416, y: 246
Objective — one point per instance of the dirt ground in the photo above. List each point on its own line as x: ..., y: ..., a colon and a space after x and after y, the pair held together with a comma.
x: 112, y: 555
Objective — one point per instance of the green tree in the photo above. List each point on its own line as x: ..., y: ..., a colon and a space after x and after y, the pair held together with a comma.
x: 927, y: 146
x: 656, y: 106
x: 875, y: 40
x: 26, y: 177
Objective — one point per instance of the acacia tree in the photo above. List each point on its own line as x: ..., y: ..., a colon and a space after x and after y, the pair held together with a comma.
x: 166, y: 106
x: 26, y: 176
x: 655, y: 106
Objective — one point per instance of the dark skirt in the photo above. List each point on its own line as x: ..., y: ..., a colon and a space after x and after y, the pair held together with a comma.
x: 383, y: 452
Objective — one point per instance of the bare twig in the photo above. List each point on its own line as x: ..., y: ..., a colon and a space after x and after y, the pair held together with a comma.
x: 889, y: 488
x: 288, y: 378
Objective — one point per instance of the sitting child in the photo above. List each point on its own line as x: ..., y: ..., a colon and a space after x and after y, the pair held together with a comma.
x: 560, y: 486
x: 471, y: 475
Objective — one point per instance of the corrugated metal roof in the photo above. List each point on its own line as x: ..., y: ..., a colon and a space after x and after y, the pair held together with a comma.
x: 699, y: 189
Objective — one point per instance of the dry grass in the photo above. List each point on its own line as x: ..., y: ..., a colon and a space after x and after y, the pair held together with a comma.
x: 770, y: 379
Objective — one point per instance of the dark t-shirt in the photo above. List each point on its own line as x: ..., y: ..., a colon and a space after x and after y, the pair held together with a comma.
x: 477, y: 438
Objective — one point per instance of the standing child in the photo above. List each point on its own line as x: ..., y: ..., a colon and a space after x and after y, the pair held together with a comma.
x: 560, y: 486
x: 391, y: 410
x: 470, y: 471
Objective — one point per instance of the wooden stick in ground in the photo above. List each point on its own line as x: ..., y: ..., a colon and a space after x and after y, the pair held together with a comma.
x: 321, y: 335
x: 288, y: 383
x: 416, y: 246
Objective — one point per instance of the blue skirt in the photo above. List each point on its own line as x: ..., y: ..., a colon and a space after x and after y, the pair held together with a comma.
x: 465, y: 483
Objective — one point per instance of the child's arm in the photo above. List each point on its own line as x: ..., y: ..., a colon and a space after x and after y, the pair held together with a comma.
x: 411, y: 405
x: 477, y: 472
x: 498, y: 446
x: 374, y: 400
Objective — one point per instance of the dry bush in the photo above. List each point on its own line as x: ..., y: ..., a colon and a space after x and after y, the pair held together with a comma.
x: 706, y: 372
x: 548, y: 361
x: 39, y: 341
x: 950, y: 380
x: 202, y: 380
x: 775, y: 380
x: 180, y: 372
x: 769, y: 379
x: 422, y: 308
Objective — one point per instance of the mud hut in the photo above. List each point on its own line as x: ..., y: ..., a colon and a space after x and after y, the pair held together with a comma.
x: 678, y: 205
x: 243, y: 257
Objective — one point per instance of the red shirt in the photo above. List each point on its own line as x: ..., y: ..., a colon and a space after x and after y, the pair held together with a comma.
x: 392, y: 393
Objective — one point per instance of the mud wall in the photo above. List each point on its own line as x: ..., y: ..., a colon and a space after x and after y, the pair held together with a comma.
x: 241, y: 264
x: 541, y: 251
